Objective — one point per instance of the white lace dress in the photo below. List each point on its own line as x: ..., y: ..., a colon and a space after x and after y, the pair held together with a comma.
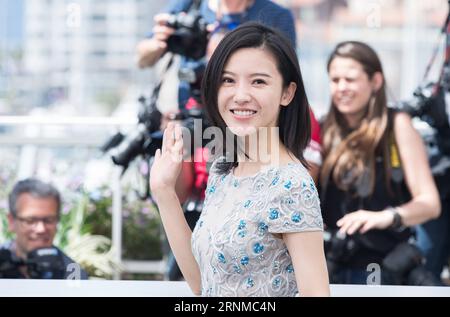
x: 234, y: 242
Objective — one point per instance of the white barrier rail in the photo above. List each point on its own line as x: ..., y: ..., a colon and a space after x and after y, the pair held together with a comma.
x: 97, y: 288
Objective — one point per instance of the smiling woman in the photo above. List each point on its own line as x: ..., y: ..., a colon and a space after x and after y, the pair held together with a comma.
x: 260, y: 231
x: 375, y: 179
x: 248, y: 100
x: 34, y: 214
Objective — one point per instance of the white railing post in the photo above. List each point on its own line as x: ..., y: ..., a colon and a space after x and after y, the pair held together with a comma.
x: 117, y: 219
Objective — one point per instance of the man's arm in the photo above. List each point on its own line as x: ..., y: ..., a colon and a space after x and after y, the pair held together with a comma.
x: 150, y: 50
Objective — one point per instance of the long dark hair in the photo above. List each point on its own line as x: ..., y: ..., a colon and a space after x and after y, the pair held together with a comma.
x: 293, y: 120
x: 349, y: 154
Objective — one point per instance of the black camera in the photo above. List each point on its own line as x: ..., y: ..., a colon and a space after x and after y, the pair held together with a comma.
x: 339, y: 250
x: 190, y: 37
x: 43, y: 263
x: 431, y: 120
x: 145, y: 139
x: 404, y: 265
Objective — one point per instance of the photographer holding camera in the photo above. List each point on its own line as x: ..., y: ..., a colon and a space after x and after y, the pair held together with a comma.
x: 430, y: 108
x: 34, y: 213
x: 184, y: 25
x: 375, y: 178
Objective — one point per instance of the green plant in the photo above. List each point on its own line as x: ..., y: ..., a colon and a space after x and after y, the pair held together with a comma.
x: 5, y: 235
x: 7, y: 176
x: 92, y: 251
x: 141, y: 226
x: 84, y: 231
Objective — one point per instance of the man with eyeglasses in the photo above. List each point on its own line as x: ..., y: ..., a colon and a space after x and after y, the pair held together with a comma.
x: 34, y: 214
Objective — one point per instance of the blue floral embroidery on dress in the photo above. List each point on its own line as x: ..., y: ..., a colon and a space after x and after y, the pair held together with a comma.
x: 296, y: 217
x: 258, y: 248
x: 290, y: 268
x: 275, y: 181
x: 212, y: 189
x: 238, y: 255
x: 288, y: 184
x: 276, y: 265
x: 276, y: 282
x: 244, y: 260
x: 221, y: 258
x: 250, y: 282
x: 274, y: 214
x: 262, y: 227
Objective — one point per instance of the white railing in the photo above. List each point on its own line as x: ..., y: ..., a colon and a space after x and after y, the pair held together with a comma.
x: 95, y: 288
x: 34, y: 136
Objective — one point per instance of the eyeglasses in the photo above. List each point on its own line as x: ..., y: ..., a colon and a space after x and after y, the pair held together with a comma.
x: 33, y: 221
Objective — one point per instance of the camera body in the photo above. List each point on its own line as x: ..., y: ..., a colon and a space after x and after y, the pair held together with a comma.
x: 430, y: 118
x: 43, y: 263
x: 190, y: 37
x: 404, y: 265
x: 339, y: 249
x: 147, y: 137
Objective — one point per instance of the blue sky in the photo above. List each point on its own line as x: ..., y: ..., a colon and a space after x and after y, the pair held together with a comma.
x: 11, y: 23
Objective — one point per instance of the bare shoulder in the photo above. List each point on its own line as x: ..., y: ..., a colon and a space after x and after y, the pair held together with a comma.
x: 402, y: 120
x: 403, y: 126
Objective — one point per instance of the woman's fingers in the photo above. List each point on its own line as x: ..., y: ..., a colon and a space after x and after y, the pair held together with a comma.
x: 349, y: 224
x: 354, y: 226
x: 367, y: 226
x: 177, y: 148
x: 173, y: 142
x: 168, y: 138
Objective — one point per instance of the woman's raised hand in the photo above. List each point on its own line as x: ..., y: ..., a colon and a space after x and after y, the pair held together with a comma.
x: 168, y: 160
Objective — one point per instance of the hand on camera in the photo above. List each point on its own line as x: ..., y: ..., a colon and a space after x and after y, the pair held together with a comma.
x: 150, y: 50
x: 363, y: 221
